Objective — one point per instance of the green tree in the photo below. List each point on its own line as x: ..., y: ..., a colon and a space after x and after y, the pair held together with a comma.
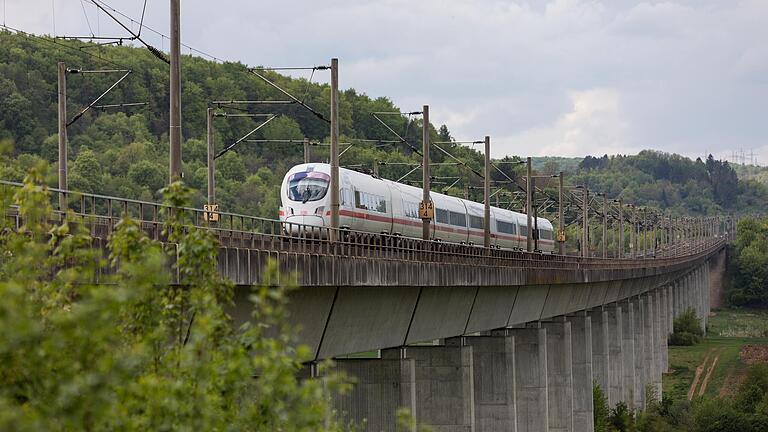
x: 687, y: 329
x: 601, y: 411
x: 148, y: 174
x: 86, y: 174
x: 750, y: 269
x: 136, y: 352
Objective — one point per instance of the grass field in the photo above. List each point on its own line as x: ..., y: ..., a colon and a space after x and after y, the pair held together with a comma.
x: 729, y: 330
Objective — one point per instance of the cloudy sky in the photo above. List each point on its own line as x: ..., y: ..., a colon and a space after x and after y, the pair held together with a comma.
x: 564, y: 77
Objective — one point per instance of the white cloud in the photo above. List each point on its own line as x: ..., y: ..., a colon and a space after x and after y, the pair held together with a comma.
x: 594, y: 125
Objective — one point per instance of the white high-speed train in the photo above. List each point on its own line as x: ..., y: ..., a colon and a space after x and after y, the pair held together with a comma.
x: 376, y: 205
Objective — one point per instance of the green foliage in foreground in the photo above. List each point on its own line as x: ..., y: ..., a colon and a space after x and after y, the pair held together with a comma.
x: 687, y: 329
x: 749, y: 286
x: 135, y: 352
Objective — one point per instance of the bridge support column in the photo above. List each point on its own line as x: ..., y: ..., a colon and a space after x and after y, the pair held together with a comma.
x: 531, y: 379
x: 707, y: 293
x: 704, y: 294
x: 581, y: 352
x: 679, y: 284
x: 383, y: 386
x: 670, y: 290
x: 493, y: 359
x: 616, y: 381
x: 641, y: 353
x: 688, y: 289
x: 694, y: 294
x: 444, y: 396
x: 628, y: 348
x: 663, y: 329
x: 655, y: 340
x: 559, y: 375
x: 601, y: 359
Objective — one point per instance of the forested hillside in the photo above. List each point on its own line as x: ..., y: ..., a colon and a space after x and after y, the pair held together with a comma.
x: 126, y: 153
x: 673, y: 182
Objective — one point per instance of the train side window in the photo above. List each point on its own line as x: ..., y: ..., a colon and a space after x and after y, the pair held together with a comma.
x: 381, y: 205
x: 524, y: 230
x: 441, y: 216
x: 458, y: 219
x: 545, y: 234
x: 506, y: 227
x: 360, y: 200
x: 413, y: 209
x: 475, y: 222
x: 346, y: 197
x: 410, y: 210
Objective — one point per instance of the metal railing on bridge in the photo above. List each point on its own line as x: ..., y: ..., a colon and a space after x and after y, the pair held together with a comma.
x: 101, y: 213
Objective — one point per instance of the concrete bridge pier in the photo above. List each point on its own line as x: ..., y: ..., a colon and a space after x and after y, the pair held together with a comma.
x: 630, y: 355
x: 493, y: 359
x: 684, y: 292
x: 703, y: 290
x: 616, y: 390
x: 667, y: 311
x: 690, y: 295
x: 531, y: 379
x: 444, y: 379
x: 582, y: 357
x: 707, y: 291
x: 559, y: 375
x: 642, y: 374
x: 677, y: 300
x: 601, y: 359
x: 652, y: 372
x: 382, y: 387
x: 660, y: 336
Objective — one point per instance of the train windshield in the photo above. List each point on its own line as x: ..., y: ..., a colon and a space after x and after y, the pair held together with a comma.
x: 307, y: 186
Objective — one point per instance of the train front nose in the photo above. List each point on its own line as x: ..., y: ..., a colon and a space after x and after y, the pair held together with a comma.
x: 309, y: 225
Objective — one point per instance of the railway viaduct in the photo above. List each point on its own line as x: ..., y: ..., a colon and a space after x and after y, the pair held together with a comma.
x: 476, y: 340
x: 466, y: 338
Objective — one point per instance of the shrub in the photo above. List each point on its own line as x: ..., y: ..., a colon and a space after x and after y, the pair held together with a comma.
x: 600, y: 404
x: 687, y: 329
x: 684, y: 339
x: 622, y: 418
x: 720, y: 415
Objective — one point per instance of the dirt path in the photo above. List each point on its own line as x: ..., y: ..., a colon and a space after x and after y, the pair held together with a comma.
x: 709, y: 374
x: 699, y: 371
